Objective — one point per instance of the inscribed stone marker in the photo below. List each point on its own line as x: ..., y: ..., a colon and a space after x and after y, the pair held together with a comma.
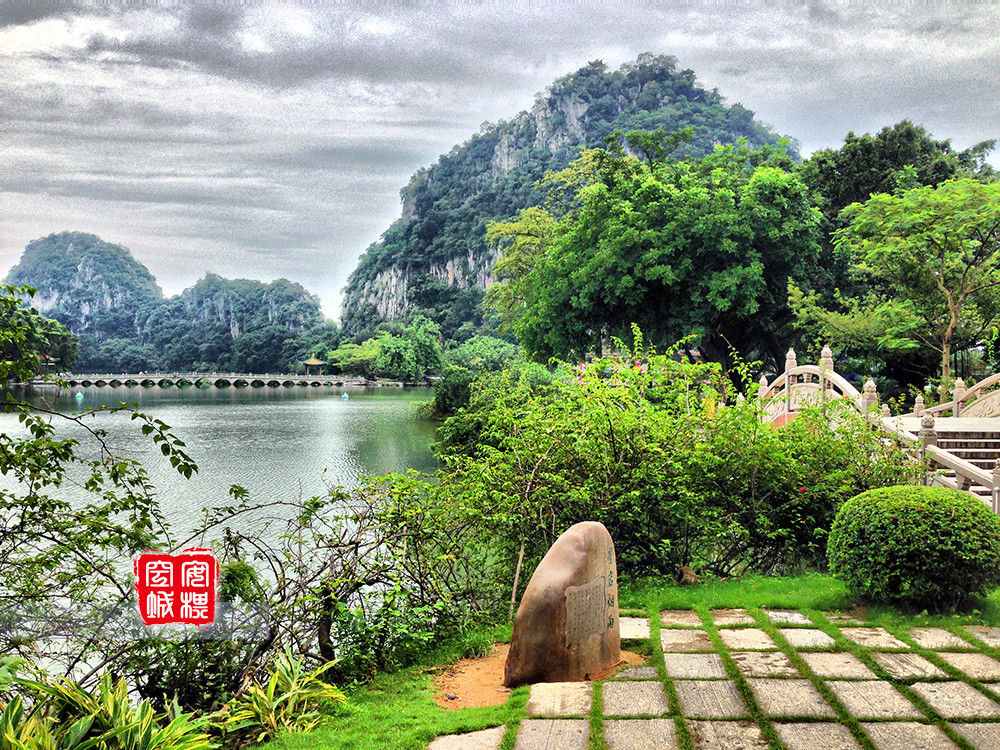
x: 567, y: 625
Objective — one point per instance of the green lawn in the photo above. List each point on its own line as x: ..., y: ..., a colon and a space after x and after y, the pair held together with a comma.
x: 396, y: 711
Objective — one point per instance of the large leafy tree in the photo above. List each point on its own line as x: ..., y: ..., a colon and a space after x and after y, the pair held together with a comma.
x: 901, y: 155
x: 703, y: 247
x: 937, y: 249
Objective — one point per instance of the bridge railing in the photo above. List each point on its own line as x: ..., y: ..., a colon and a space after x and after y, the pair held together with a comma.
x: 801, y: 385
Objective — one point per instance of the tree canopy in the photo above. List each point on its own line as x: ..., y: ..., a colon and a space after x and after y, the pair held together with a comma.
x: 936, y: 249
x: 702, y: 247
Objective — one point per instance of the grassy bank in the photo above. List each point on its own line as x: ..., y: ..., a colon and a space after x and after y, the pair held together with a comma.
x: 397, y: 711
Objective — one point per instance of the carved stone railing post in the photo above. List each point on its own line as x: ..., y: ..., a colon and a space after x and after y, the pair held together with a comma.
x: 959, y: 394
x: 790, y: 364
x: 763, y: 385
x: 918, y: 405
x: 996, y: 488
x: 885, y: 410
x: 825, y: 367
x: 928, y: 437
x: 869, y: 397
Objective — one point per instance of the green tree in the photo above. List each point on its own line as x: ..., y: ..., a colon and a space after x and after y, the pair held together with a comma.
x: 425, y: 337
x: 935, y: 248
x: 901, y: 155
x: 702, y: 247
x: 396, y: 358
x: 62, y: 559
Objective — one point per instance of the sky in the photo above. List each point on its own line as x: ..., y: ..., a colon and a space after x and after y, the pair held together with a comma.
x: 267, y: 140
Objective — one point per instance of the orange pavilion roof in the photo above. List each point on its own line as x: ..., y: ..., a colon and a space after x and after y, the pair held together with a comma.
x: 314, y: 361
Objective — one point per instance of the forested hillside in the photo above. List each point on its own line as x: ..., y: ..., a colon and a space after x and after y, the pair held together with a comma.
x: 434, y: 260
x: 124, y: 324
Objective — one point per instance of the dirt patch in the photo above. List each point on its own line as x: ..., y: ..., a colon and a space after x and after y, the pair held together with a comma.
x: 479, y: 682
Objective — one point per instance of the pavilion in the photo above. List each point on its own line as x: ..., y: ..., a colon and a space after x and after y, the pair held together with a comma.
x: 314, y: 362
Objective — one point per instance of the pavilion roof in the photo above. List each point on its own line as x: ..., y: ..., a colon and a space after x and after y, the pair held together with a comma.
x: 313, y: 361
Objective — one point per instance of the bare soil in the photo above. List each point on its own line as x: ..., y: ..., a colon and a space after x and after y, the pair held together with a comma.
x: 479, y: 682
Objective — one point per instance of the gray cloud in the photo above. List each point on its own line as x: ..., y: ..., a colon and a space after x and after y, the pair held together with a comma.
x: 272, y: 140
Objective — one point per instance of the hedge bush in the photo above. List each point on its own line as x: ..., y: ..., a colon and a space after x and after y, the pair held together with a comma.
x: 930, y: 547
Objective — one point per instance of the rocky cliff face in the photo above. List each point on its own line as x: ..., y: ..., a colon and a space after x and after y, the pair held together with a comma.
x: 436, y: 251
x: 91, y: 286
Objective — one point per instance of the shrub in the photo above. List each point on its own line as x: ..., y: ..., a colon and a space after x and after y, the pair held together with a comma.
x: 916, y: 546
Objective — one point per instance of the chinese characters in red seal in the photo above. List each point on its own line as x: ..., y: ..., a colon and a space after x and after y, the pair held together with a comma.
x: 177, y: 588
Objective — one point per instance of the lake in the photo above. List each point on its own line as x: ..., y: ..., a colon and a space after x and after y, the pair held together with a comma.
x: 278, y: 443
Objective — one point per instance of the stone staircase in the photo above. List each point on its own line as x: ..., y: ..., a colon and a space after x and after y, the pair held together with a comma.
x: 980, y: 448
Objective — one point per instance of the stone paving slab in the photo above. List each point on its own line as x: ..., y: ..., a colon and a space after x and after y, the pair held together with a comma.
x: 694, y: 666
x: 991, y: 636
x: 709, y: 699
x: 560, y: 699
x: 906, y: 666
x: 747, y: 639
x: 784, y: 617
x: 764, y: 664
x: 977, y: 666
x: 874, y: 700
x: 640, y: 734
x: 817, y: 735
x: 726, y: 735
x: 485, y: 739
x: 839, y: 618
x: 638, y: 673
x: 725, y: 617
x: 957, y: 700
x: 684, y: 640
x: 984, y: 736
x: 806, y: 637
x: 633, y: 627
x: 873, y: 637
x: 838, y: 664
x: 553, y: 734
x: 686, y: 618
x: 636, y: 698
x: 789, y: 698
x: 937, y: 638
x: 907, y: 735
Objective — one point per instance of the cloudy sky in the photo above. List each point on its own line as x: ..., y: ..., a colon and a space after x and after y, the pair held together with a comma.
x: 268, y: 140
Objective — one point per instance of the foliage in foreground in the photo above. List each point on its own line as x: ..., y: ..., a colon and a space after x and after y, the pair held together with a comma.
x: 931, y: 547
x: 290, y: 701
x: 63, y: 715
x: 647, y: 446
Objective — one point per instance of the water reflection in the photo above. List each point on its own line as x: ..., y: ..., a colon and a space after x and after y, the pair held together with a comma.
x: 278, y: 443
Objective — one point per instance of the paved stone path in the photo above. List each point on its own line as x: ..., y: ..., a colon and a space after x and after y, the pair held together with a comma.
x: 763, y: 680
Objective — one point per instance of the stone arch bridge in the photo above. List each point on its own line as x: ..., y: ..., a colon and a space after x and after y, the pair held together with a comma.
x: 214, y: 380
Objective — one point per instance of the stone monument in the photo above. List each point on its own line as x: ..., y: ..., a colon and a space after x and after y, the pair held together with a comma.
x: 566, y: 627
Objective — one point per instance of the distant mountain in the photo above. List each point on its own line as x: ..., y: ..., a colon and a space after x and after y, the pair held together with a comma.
x: 113, y: 304
x: 92, y: 287
x: 434, y: 259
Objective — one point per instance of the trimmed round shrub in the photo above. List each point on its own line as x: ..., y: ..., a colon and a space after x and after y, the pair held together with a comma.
x: 930, y: 547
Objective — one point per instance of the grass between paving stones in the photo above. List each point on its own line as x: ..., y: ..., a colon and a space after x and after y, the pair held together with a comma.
x: 396, y: 711
x: 990, y: 690
x: 597, y: 718
x: 684, y: 740
x: 742, y: 686
x: 843, y: 716
x: 844, y: 643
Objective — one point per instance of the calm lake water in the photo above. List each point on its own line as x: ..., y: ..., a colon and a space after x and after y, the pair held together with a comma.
x: 278, y: 443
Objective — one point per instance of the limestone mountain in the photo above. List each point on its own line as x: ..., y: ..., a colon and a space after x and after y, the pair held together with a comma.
x: 93, y: 287
x: 434, y: 259
x: 124, y: 324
